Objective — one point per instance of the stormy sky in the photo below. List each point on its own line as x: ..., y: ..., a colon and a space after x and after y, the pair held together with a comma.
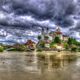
x: 20, y: 17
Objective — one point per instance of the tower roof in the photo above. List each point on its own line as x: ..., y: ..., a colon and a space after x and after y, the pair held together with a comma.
x: 58, y: 31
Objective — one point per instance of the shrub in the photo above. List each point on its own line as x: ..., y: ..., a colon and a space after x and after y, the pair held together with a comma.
x: 22, y: 48
x: 39, y: 50
x: 18, y: 48
x: 1, y: 49
x: 79, y: 49
x: 74, y: 49
x: 66, y: 46
x: 42, y: 44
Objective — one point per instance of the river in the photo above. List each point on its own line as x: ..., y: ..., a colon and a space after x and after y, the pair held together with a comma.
x: 27, y: 66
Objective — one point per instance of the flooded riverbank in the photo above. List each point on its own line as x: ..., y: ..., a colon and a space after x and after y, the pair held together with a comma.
x: 27, y: 66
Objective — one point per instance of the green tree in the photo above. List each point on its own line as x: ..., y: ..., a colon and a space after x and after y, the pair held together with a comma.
x: 72, y: 41
x: 39, y: 37
x: 57, y: 40
x: 69, y: 41
x: 78, y: 44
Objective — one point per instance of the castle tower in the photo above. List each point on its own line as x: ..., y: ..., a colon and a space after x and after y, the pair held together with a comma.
x: 42, y: 33
x: 58, y: 32
x: 58, y: 29
x: 47, y: 31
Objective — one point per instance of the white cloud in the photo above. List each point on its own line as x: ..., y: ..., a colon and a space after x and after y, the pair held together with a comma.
x: 2, y: 15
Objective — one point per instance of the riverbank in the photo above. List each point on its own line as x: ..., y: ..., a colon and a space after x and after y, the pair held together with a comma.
x: 63, y: 55
x: 43, y: 52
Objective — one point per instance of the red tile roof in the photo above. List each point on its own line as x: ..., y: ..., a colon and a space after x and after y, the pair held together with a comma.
x: 58, y: 32
x: 29, y: 42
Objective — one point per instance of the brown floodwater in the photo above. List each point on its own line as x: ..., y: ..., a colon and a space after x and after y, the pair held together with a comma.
x: 27, y: 66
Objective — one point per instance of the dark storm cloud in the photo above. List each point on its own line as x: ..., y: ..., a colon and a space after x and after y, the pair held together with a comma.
x: 77, y: 27
x: 56, y: 11
x: 38, y: 8
x: 23, y: 21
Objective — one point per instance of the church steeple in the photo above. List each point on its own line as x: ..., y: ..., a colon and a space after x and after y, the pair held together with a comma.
x: 42, y: 31
x: 58, y: 29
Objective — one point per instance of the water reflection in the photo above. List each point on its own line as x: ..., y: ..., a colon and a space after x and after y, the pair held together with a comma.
x: 27, y: 66
x: 49, y: 65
